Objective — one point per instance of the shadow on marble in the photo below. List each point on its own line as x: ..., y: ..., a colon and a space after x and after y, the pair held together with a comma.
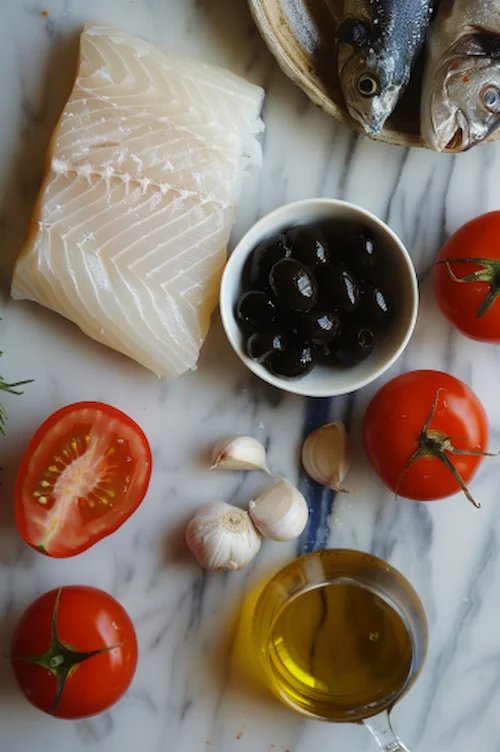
x: 25, y: 168
x: 232, y: 23
x: 9, y: 462
x: 175, y: 548
x: 8, y: 621
x: 245, y: 675
x: 217, y: 358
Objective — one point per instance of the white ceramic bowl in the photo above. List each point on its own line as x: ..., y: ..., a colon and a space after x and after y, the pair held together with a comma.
x: 328, y: 381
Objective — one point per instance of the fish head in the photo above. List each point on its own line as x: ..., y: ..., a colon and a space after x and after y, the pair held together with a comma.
x: 464, y: 106
x: 369, y: 75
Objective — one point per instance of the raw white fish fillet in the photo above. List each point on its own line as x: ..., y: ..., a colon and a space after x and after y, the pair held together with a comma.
x: 128, y: 239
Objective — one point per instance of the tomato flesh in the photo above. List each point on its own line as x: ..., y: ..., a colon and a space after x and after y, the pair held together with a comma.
x: 88, y: 621
x: 394, y: 421
x: 84, y: 473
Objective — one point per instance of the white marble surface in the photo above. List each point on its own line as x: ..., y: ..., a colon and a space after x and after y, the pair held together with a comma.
x: 190, y: 688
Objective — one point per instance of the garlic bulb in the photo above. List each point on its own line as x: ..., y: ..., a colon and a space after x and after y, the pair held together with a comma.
x: 222, y: 537
x: 281, y: 512
x: 239, y: 453
x: 325, y: 455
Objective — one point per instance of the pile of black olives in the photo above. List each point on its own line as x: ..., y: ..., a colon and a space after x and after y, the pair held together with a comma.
x: 311, y: 296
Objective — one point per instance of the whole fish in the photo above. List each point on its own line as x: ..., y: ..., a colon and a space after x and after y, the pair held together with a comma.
x: 461, y: 90
x: 377, y: 43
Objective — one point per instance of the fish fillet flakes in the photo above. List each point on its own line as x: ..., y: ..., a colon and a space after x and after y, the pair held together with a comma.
x: 128, y: 238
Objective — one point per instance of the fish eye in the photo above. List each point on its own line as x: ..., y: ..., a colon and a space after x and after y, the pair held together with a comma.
x: 491, y: 98
x: 368, y: 85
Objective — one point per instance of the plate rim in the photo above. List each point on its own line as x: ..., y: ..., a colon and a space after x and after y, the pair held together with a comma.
x: 258, y: 9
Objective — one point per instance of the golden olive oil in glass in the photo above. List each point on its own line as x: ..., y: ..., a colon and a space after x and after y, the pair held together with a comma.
x: 334, y: 643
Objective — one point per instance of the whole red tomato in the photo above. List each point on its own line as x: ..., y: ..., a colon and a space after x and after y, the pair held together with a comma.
x: 426, y: 434
x: 74, y: 652
x: 467, y: 278
x: 85, y: 471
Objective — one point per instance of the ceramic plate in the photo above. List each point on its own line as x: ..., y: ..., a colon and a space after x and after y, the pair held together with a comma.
x: 300, y: 35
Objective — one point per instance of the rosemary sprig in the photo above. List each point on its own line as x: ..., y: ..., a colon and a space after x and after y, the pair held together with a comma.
x: 11, y: 389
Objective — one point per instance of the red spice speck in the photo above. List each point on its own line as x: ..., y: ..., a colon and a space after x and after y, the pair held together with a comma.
x: 45, y: 13
x: 238, y: 736
x: 207, y: 742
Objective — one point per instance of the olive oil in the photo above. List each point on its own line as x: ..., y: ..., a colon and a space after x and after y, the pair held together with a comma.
x: 339, y: 648
x: 340, y: 635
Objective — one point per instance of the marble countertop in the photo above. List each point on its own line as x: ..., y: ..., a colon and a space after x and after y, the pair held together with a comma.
x: 189, y: 693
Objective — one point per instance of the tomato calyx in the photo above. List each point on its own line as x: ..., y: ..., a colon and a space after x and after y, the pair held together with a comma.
x: 489, y: 273
x: 60, y: 659
x: 436, y: 444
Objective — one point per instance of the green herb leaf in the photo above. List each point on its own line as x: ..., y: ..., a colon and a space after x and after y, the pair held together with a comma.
x: 10, y: 389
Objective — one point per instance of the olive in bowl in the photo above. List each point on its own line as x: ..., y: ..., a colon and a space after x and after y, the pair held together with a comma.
x: 342, y: 291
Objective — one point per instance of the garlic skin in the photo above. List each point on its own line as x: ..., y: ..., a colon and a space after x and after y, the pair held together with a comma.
x: 239, y: 453
x: 223, y: 537
x: 281, y: 512
x: 325, y: 455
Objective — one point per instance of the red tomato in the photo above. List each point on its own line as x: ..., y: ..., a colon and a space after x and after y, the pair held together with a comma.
x: 420, y: 429
x: 85, y: 471
x: 467, y: 291
x: 74, y: 652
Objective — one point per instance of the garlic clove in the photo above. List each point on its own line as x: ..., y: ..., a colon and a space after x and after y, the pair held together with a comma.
x: 239, y: 453
x: 223, y: 537
x: 281, y: 512
x: 325, y: 455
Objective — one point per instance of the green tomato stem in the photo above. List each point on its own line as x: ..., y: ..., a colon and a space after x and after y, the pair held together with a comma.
x: 436, y: 444
x: 60, y: 659
x: 489, y: 273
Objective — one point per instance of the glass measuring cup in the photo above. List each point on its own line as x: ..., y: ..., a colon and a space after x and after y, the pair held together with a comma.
x: 340, y: 636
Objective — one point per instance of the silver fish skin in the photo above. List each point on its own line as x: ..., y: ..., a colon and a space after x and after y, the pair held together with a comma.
x: 461, y: 88
x: 377, y: 43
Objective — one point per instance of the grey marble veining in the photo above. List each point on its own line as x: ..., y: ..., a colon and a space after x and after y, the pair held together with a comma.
x: 191, y: 686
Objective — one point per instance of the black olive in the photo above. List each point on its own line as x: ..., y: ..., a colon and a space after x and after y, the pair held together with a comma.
x: 256, y: 309
x: 355, y: 346
x: 262, y: 260
x: 296, y: 360
x: 321, y: 327
x: 289, y: 321
x: 336, y: 242
x: 327, y: 353
x: 309, y: 246
x: 375, y: 307
x: 261, y: 345
x: 339, y: 287
x: 361, y: 251
x: 294, y: 285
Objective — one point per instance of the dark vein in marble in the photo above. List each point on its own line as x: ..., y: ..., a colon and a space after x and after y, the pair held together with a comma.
x: 197, y: 598
x: 156, y: 641
x: 320, y: 499
x: 397, y: 180
x: 95, y: 730
x: 352, y: 143
x: 467, y: 612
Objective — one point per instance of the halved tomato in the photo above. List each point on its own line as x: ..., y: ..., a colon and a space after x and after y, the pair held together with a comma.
x: 85, y: 471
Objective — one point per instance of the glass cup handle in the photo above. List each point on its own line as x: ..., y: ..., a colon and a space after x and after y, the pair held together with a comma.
x: 380, y: 727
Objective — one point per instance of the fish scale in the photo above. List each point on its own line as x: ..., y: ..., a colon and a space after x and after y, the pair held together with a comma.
x: 381, y: 39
